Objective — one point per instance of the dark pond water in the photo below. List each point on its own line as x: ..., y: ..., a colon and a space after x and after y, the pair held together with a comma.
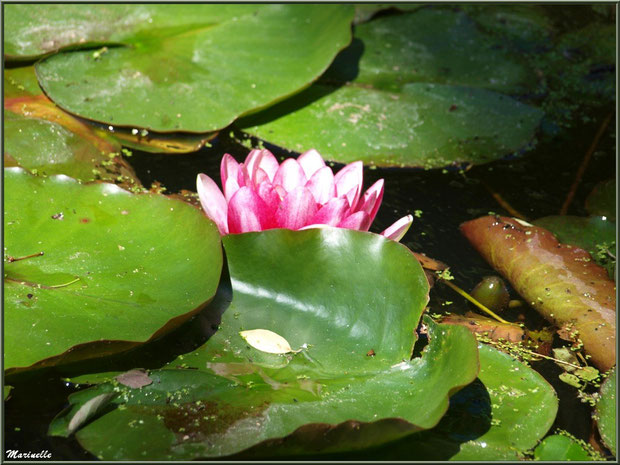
x: 535, y: 184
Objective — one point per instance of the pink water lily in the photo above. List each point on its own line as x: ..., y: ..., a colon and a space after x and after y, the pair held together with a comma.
x: 296, y: 194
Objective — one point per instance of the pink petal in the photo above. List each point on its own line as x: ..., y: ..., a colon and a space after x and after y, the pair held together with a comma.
x: 213, y: 202
x: 348, y: 178
x: 230, y: 188
x: 297, y: 209
x: 352, y: 197
x: 371, y: 201
x: 311, y: 161
x: 322, y: 186
x: 247, y: 212
x: 270, y: 196
x: 355, y: 221
x: 250, y: 165
x: 260, y: 160
x: 268, y: 164
x: 290, y: 175
x: 229, y: 168
x: 398, y: 229
x: 260, y: 176
x: 332, y: 213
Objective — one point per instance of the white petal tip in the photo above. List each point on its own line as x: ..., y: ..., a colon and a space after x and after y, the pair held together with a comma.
x: 398, y: 229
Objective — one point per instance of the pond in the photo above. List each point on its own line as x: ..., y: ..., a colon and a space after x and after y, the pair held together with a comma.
x: 214, y: 389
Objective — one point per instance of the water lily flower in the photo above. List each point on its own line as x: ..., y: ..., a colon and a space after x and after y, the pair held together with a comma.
x: 299, y: 193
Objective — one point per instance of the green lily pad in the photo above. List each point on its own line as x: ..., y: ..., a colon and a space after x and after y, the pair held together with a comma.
x: 602, y: 200
x: 162, y: 61
x: 115, y: 268
x: 606, y: 412
x: 524, y: 407
x: 417, y: 89
x: 560, y: 448
x: 434, y: 45
x: 499, y: 417
x: 425, y: 125
x: 7, y: 391
x: 42, y: 138
x: 347, y: 303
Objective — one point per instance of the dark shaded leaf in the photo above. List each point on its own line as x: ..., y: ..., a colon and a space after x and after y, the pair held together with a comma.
x: 606, y: 412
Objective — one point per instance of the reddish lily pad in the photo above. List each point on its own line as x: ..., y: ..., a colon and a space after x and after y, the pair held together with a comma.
x: 560, y: 281
x: 596, y: 234
x: 108, y: 270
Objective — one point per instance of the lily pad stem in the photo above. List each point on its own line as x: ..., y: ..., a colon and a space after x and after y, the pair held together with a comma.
x: 476, y: 303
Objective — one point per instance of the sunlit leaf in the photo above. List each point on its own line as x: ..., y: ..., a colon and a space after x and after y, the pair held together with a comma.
x: 340, y: 294
x: 560, y: 448
x: 193, y: 67
x: 266, y: 341
x: 116, y: 268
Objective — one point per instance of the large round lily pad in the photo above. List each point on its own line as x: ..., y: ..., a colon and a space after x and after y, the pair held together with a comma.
x: 188, y: 68
x: 115, y: 268
x: 422, y: 125
x: 347, y: 303
x: 418, y: 89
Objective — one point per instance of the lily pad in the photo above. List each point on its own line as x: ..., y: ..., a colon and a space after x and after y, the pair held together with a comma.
x: 560, y: 281
x: 334, y: 293
x: 106, y: 266
x: 524, y: 407
x: 560, y: 448
x: 606, y: 412
x: 44, y: 139
x: 527, y: 28
x: 161, y: 61
x: 423, y: 125
x: 417, y: 89
x: 499, y: 417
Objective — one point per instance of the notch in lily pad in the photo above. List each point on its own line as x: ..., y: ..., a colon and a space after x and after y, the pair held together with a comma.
x: 267, y: 341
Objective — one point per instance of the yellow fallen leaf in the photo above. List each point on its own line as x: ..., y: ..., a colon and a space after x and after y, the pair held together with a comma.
x: 266, y: 341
